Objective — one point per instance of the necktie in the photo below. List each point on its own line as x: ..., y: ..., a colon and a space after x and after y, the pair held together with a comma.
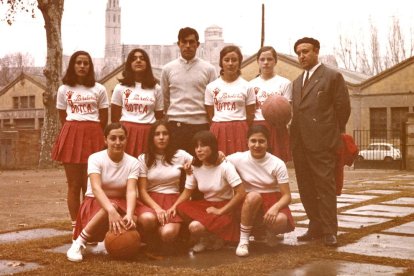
x: 306, y: 79
x: 304, y: 83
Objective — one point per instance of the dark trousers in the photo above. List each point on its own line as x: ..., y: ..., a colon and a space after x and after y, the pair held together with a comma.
x: 316, y: 182
x: 182, y: 135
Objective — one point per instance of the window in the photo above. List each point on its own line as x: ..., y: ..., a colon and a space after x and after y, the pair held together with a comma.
x: 15, y: 102
x: 378, y: 122
x: 23, y: 102
x: 398, y: 116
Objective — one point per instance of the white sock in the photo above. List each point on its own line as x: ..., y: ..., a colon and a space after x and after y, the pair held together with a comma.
x: 83, y: 238
x: 245, y: 233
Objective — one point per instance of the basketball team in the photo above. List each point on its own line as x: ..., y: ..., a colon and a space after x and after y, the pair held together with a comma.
x: 190, y: 158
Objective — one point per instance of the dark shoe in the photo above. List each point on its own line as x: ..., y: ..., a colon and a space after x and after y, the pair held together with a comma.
x: 330, y: 240
x: 308, y: 236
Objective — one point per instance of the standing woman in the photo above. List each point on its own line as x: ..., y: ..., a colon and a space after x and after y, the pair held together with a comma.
x: 159, y: 183
x: 229, y: 103
x: 83, y: 112
x: 214, y: 219
x: 265, y: 85
x: 137, y: 101
x: 267, y: 185
x: 111, y: 199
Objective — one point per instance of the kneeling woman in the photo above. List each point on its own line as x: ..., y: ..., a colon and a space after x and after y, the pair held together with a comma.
x: 214, y: 219
x: 159, y: 185
x: 267, y: 185
x: 111, y: 197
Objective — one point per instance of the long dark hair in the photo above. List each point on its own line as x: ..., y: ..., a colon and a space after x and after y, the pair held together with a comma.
x: 229, y: 49
x: 70, y: 77
x: 205, y: 138
x: 151, y: 151
x: 148, y: 79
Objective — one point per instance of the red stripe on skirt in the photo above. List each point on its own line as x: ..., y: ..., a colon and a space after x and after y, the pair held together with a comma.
x: 279, y: 141
x: 88, y: 209
x: 137, y: 138
x: 231, y: 136
x: 226, y: 226
x: 165, y: 201
x: 77, y: 140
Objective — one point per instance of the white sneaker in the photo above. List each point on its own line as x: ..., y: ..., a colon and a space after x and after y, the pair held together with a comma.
x: 273, y: 239
x: 242, y: 250
x: 201, y: 245
x: 74, y: 253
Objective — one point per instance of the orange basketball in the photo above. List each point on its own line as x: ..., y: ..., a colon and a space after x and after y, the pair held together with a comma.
x: 277, y: 110
x: 124, y: 245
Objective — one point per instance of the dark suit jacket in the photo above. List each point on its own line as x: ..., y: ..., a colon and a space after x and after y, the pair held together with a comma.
x: 321, y: 114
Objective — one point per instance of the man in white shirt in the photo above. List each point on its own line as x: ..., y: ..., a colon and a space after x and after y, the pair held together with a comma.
x: 183, y: 83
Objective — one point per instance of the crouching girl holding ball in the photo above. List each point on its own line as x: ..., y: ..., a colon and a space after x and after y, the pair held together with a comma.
x: 111, y: 196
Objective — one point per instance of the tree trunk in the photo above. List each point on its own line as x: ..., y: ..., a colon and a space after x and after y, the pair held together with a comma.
x: 52, y: 11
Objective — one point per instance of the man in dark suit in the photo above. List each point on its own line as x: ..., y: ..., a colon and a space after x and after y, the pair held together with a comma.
x: 321, y: 109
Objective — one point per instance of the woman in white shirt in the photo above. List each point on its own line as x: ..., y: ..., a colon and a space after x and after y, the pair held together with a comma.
x: 265, y: 85
x: 230, y: 103
x: 137, y: 101
x: 83, y: 112
x: 214, y: 219
x: 111, y: 198
x: 267, y: 185
x: 159, y: 186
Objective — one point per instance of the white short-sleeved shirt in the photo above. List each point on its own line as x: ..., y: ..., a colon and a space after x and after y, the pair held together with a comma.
x: 162, y: 177
x: 215, y: 182
x: 264, y: 88
x: 82, y: 103
x: 260, y: 175
x: 229, y: 99
x: 114, y: 176
x: 138, y: 104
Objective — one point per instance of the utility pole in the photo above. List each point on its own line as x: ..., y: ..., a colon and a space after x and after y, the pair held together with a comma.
x: 263, y: 26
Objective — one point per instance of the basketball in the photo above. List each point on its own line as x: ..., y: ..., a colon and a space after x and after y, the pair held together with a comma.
x: 124, y: 245
x: 277, y: 110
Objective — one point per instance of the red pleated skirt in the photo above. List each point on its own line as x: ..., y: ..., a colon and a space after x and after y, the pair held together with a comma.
x: 226, y: 226
x: 88, y: 209
x: 77, y: 140
x: 231, y: 136
x: 137, y: 138
x: 269, y: 199
x: 279, y: 141
x: 165, y: 201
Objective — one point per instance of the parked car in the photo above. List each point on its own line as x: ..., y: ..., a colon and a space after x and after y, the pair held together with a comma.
x: 380, y: 151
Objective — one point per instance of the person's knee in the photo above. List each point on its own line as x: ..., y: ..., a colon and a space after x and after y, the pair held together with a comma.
x: 252, y: 199
x: 280, y: 224
x: 168, y: 233
x: 196, y: 227
x: 147, y: 221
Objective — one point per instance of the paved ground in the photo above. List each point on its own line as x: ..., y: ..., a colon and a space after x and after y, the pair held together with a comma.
x: 376, y: 220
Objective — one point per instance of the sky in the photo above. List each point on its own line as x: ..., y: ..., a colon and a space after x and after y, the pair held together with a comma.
x: 158, y: 22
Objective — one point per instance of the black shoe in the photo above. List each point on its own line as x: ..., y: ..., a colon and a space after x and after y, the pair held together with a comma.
x: 330, y: 240
x: 308, y: 236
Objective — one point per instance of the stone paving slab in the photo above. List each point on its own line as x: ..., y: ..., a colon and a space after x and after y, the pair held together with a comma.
x: 381, y: 211
x: 355, y: 222
x: 8, y: 267
x: 351, y: 198
x: 378, y: 192
x: 298, y: 207
x: 295, y: 195
x: 382, y: 245
x: 342, y: 268
x: 20, y: 236
x: 401, y: 201
x: 407, y: 228
x: 381, y: 182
